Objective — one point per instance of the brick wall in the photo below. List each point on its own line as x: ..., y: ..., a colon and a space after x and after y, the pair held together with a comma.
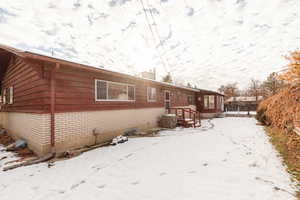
x: 75, y: 129
x: 34, y: 128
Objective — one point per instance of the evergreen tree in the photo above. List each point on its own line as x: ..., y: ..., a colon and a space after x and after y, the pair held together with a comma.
x: 168, y: 78
x: 272, y: 85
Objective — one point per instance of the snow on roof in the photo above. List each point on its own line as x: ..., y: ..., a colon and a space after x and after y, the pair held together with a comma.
x: 244, y: 98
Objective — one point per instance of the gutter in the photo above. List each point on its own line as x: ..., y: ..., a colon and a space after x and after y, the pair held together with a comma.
x: 52, y: 106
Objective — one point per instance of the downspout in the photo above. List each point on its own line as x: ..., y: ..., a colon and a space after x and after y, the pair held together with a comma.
x: 52, y: 106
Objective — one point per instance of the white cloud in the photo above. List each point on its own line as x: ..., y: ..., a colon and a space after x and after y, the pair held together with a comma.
x: 220, y: 42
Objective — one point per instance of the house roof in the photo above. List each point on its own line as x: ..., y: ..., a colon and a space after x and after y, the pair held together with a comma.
x: 36, y: 56
x: 210, y: 92
x: 244, y: 98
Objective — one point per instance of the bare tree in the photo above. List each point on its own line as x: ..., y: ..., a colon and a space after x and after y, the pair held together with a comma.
x: 168, y: 78
x: 272, y: 85
x: 255, y: 89
x: 229, y: 90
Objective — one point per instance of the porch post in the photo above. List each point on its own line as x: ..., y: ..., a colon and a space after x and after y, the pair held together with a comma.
x: 52, y: 106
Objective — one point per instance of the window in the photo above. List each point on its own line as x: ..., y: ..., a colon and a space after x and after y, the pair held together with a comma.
x: 7, y: 97
x: 4, y: 97
x: 219, y: 102
x: 151, y: 94
x: 209, y: 101
x: 112, y: 91
x: 167, y: 99
x: 191, y: 100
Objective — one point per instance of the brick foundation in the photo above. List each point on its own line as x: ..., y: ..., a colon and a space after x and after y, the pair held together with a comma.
x: 75, y: 129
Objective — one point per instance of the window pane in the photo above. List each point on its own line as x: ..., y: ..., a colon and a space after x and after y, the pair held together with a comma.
x: 101, y: 90
x: 117, y: 91
x: 191, y: 100
x: 167, y: 96
x: 11, y: 92
x: 206, y: 101
x: 167, y: 104
x: 151, y: 94
x: 130, y: 92
x: 211, y: 102
x: 7, y: 95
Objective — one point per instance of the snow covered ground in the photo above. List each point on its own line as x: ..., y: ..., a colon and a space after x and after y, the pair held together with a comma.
x: 228, y: 158
x: 241, y: 112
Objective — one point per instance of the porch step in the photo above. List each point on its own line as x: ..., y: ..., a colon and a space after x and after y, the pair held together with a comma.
x: 186, y: 117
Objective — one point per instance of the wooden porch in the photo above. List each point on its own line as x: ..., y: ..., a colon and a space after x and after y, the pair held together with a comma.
x: 186, y: 117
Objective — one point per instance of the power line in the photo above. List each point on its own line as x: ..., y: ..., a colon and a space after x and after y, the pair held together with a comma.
x: 158, y: 35
x: 152, y: 32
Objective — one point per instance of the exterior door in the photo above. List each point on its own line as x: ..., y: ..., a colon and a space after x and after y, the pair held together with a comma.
x: 167, y: 99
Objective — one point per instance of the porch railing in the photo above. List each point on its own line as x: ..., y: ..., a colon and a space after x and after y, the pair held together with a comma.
x: 186, y: 117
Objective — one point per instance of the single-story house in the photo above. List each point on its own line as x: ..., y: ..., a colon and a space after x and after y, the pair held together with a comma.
x: 56, y: 104
x: 209, y: 103
x: 242, y: 103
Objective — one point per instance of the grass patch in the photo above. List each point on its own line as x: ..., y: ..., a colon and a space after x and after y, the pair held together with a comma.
x: 288, y: 146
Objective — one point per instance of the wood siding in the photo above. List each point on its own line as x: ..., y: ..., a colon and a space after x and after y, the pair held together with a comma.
x: 75, y: 89
x: 200, y: 103
x: 30, y: 91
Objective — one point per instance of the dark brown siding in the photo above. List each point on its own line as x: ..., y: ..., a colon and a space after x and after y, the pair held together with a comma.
x: 200, y: 103
x: 75, y: 91
x: 30, y: 91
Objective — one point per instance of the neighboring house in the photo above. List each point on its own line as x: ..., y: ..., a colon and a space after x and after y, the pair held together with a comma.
x: 242, y: 103
x: 56, y: 105
x: 210, y: 103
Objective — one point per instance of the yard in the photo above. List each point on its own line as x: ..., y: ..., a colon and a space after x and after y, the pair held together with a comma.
x: 228, y: 158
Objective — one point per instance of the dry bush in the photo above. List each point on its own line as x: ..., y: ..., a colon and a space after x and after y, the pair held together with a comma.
x: 282, y: 109
x: 292, y: 73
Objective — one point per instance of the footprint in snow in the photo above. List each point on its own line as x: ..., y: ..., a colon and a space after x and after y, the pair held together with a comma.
x: 35, y: 187
x: 205, y: 164
x: 192, y: 172
x: 77, y: 184
x: 135, y: 183
x: 4, y: 186
x: 101, y: 186
x: 59, y: 191
x: 163, y: 173
x: 98, y: 167
x: 127, y: 156
x: 266, y: 181
x: 253, y: 165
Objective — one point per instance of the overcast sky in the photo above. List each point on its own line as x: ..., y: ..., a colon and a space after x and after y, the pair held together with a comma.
x: 205, y: 42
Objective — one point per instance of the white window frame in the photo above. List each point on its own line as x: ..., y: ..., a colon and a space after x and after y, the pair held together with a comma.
x: 212, y: 97
x: 118, y: 83
x: 11, y: 95
x: 192, y: 97
x: 151, y: 100
x: 4, y: 96
x: 209, y: 102
x: 169, y: 100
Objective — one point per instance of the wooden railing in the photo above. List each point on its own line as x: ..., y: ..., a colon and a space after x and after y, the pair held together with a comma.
x: 186, y: 117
